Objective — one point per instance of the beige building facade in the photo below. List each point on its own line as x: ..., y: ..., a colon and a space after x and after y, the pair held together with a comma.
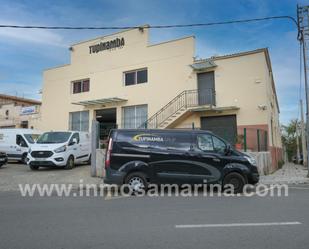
x: 17, y: 112
x: 123, y: 81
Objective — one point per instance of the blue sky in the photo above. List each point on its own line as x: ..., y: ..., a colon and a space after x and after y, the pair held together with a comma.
x: 24, y: 54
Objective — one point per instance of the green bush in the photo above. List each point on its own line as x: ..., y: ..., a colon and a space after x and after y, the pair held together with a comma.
x: 280, y: 164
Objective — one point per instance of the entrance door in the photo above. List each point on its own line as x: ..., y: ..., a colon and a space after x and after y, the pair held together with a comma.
x: 206, y: 88
x: 223, y: 126
x: 107, y: 120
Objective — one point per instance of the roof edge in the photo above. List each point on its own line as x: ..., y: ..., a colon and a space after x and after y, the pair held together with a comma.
x: 15, y: 98
x: 174, y: 40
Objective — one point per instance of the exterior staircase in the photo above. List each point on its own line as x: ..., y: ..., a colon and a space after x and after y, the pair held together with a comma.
x: 179, y: 106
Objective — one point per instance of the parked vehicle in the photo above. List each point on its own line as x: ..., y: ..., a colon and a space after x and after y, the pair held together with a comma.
x: 298, y: 160
x: 61, y: 148
x: 139, y: 157
x: 3, y: 158
x: 16, y: 142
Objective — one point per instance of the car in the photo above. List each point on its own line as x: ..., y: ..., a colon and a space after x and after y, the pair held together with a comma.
x: 298, y: 160
x: 138, y: 157
x: 16, y: 142
x: 60, y: 149
x: 3, y: 158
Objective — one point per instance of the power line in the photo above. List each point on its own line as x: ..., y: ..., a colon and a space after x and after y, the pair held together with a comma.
x: 152, y: 26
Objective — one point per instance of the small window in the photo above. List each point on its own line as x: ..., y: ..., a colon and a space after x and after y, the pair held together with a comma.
x: 141, y: 76
x: 77, y: 87
x: 75, y: 135
x: 86, y: 86
x: 130, y: 78
x: 135, y: 77
x: 81, y: 86
x: 219, y: 145
x: 21, y: 141
x: 204, y: 142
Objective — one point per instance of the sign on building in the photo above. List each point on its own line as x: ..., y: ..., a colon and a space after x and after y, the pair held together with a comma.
x: 27, y: 110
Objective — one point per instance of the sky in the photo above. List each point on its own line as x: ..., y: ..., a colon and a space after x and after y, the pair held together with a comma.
x: 24, y: 54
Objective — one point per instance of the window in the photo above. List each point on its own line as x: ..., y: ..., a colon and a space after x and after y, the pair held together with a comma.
x: 31, y: 138
x: 173, y: 141
x: 130, y: 78
x: 79, y: 121
x: 134, y: 116
x: 21, y: 141
x: 141, y: 76
x: 81, y: 86
x: 54, y: 137
x: 206, y: 142
x: 219, y: 145
x: 76, y: 136
x: 159, y: 140
x: 136, y: 77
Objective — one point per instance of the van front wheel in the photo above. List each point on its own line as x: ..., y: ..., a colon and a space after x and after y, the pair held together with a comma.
x: 34, y: 167
x: 24, y: 158
x: 70, y: 163
x: 236, y: 180
x: 136, y: 182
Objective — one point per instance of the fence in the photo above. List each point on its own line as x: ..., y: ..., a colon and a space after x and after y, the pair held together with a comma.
x: 252, y: 139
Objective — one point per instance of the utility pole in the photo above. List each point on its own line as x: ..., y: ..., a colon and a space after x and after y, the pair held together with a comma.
x: 297, y: 142
x: 303, y: 135
x: 303, y: 25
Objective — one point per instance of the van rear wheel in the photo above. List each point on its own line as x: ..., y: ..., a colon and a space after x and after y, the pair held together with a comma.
x: 236, y: 180
x: 136, y: 182
x: 70, y: 163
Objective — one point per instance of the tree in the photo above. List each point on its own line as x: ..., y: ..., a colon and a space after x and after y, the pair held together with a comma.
x: 289, y: 136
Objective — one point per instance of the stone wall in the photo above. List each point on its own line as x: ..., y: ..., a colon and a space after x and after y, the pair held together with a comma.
x: 264, y: 162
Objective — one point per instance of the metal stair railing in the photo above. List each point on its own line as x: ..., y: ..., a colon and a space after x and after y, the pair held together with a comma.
x: 183, y: 101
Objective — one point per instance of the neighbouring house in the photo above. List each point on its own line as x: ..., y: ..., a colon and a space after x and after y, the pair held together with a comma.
x: 121, y: 80
x: 17, y: 112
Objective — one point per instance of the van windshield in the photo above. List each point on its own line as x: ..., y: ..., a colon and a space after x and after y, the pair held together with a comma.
x: 53, y: 137
x: 31, y: 138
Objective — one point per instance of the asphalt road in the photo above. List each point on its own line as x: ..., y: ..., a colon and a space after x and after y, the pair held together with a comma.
x: 95, y: 222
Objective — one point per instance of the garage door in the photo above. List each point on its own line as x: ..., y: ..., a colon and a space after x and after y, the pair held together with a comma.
x: 223, y: 126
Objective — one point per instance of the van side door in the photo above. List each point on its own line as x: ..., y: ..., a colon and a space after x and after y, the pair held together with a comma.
x: 21, y: 144
x: 84, y: 146
x: 74, y: 148
x: 171, y: 160
x: 209, y: 154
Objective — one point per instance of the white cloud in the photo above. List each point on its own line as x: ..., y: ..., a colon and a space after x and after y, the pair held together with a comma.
x: 40, y: 36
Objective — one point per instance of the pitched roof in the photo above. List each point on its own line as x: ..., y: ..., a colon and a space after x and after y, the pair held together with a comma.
x: 25, y: 100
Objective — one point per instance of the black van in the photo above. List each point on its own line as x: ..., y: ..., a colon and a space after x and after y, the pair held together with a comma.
x: 140, y: 156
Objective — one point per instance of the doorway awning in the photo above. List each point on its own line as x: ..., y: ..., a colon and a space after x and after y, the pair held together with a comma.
x: 99, y: 101
x: 209, y: 108
x: 203, y: 65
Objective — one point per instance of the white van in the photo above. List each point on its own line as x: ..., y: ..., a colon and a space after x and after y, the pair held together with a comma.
x: 60, y: 148
x: 16, y: 142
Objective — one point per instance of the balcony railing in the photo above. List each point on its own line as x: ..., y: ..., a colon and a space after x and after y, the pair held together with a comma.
x: 183, y: 101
